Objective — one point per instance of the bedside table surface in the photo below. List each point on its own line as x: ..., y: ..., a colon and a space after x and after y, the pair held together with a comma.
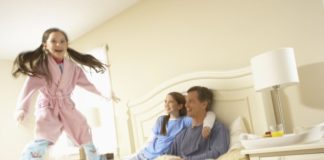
x: 311, y: 147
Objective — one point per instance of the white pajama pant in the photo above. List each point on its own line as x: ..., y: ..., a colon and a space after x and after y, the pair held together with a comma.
x: 37, y: 150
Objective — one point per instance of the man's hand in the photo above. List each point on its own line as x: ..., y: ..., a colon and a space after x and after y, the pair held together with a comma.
x: 205, y: 132
x: 19, y: 116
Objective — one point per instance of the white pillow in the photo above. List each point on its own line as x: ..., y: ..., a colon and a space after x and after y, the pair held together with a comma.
x: 236, y: 128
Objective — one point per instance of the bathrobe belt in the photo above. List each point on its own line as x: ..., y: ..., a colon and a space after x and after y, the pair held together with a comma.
x: 55, y: 103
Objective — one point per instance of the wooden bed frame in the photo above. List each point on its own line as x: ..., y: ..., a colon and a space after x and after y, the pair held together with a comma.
x: 234, y: 96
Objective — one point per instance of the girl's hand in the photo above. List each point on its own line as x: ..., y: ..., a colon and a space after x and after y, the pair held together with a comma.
x: 19, y: 116
x: 205, y: 132
x: 115, y: 99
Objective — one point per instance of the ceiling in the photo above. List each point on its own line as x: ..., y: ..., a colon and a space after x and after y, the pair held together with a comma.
x: 23, y: 22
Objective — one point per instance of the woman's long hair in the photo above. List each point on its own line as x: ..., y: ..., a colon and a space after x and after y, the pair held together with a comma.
x: 181, y: 100
x: 35, y: 63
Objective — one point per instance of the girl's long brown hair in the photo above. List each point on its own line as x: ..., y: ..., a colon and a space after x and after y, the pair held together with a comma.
x: 35, y: 63
x: 181, y: 100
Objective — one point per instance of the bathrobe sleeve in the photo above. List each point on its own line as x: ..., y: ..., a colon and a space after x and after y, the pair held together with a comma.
x: 31, y: 85
x: 83, y: 82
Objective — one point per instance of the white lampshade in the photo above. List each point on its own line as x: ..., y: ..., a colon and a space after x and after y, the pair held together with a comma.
x: 274, y: 68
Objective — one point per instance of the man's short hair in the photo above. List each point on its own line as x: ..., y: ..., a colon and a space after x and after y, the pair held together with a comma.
x: 204, y: 94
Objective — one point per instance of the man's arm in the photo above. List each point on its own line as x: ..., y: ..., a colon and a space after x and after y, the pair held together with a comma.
x: 218, y: 143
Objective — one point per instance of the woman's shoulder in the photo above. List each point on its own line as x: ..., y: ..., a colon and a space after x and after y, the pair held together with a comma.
x: 161, y: 117
x: 186, y: 118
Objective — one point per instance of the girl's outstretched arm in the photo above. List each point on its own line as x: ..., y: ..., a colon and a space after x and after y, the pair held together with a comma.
x: 31, y: 85
x: 208, y: 123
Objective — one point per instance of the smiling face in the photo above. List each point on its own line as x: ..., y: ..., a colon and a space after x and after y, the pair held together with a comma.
x: 172, y: 107
x: 56, y: 44
x: 195, y: 107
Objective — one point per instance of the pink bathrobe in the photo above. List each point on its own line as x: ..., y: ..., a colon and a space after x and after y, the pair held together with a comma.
x: 55, y: 109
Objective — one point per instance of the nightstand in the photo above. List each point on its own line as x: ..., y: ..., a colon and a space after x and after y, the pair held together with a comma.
x: 313, y: 151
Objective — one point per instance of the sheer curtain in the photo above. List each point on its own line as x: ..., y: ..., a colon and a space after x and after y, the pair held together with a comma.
x: 98, y: 111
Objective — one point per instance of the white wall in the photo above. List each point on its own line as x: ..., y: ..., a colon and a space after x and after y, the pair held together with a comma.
x: 159, y: 39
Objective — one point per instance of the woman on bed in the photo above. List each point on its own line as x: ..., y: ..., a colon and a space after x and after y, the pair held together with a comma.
x: 53, y: 69
x: 168, y: 126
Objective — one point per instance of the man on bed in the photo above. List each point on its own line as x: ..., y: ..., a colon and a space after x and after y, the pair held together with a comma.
x: 189, y: 144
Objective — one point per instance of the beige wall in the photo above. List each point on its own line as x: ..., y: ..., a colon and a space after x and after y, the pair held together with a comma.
x: 12, y: 137
x: 159, y: 39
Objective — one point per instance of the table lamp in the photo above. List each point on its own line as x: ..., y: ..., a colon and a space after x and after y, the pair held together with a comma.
x: 273, y: 70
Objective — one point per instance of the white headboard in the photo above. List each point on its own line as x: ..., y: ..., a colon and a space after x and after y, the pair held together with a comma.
x: 234, y: 96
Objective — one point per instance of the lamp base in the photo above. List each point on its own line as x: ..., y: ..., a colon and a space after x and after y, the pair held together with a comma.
x: 280, y: 118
